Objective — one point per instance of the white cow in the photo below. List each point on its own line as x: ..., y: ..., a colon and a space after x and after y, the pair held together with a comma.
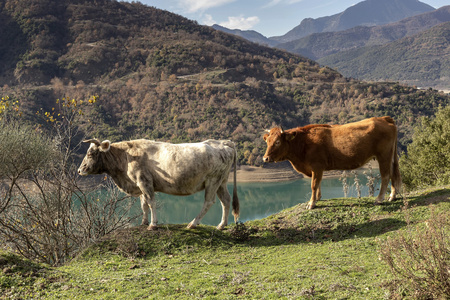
x: 143, y: 167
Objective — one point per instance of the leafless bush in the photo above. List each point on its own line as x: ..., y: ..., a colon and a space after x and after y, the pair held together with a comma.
x: 372, y: 180
x: 46, y: 214
x: 356, y: 183
x: 343, y: 179
x: 420, y: 258
x: 49, y: 217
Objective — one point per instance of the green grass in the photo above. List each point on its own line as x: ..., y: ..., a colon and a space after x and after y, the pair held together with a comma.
x: 331, y: 252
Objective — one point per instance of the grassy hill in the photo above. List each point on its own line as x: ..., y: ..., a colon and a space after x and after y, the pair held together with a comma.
x: 161, y: 76
x: 421, y: 59
x: 333, y: 251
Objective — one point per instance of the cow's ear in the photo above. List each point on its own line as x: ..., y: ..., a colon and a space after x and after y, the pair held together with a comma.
x: 105, y: 146
x: 291, y: 136
x: 265, y: 137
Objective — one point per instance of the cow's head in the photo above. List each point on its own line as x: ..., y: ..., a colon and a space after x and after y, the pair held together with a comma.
x: 277, y: 144
x: 92, y: 162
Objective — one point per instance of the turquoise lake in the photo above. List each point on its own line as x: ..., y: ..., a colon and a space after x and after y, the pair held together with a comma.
x: 257, y: 200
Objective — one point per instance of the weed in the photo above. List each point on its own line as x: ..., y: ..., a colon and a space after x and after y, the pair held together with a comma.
x: 372, y: 180
x: 357, y: 183
x: 345, y: 186
x: 420, y: 257
x: 240, y: 232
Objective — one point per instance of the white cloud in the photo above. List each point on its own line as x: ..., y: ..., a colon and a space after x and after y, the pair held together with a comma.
x: 294, y: 1
x: 193, y: 6
x: 272, y: 3
x: 240, y: 22
x: 209, y: 20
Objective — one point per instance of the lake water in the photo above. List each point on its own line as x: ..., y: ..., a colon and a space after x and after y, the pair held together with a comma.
x: 257, y: 200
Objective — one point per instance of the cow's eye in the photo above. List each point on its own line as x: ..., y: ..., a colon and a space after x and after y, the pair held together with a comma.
x: 277, y: 143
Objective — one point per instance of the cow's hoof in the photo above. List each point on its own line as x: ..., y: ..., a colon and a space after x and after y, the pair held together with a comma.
x: 221, y: 226
x: 191, y: 225
x: 310, y: 206
x: 144, y: 223
x: 152, y: 227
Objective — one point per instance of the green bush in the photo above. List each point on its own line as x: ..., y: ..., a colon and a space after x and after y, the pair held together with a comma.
x: 427, y: 161
x: 22, y: 149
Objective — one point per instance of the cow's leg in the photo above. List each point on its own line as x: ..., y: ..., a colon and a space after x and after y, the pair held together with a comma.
x: 148, y: 197
x: 319, y: 192
x: 225, y: 200
x: 210, y: 198
x: 396, y: 182
x: 145, y: 210
x: 316, y: 179
x: 393, y: 192
x: 154, y: 219
x: 385, y: 173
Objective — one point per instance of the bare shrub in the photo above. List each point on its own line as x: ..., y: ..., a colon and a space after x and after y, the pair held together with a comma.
x: 357, y: 183
x: 343, y: 179
x: 372, y: 180
x: 420, y: 258
x: 50, y: 218
x: 46, y: 213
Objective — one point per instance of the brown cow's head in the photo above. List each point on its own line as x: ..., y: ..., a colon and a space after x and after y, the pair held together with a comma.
x: 92, y: 162
x: 277, y: 144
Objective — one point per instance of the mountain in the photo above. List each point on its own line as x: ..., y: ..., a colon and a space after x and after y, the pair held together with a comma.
x: 422, y: 59
x: 250, y: 35
x: 318, y: 45
x: 160, y: 76
x: 365, y: 13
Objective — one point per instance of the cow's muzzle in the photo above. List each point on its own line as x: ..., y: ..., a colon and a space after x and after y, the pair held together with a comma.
x: 81, y: 172
x: 267, y: 159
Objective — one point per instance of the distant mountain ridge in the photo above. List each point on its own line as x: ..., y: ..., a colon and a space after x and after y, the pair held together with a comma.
x: 250, y: 35
x: 365, y: 13
x: 422, y: 59
x: 319, y: 45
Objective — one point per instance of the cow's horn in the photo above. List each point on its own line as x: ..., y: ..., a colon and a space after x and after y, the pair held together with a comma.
x: 281, y: 127
x: 94, y: 141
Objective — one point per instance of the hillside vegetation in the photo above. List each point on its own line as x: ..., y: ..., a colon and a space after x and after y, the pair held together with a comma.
x: 330, y: 252
x: 160, y: 76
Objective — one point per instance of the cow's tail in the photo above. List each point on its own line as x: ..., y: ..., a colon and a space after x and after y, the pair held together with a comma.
x: 396, y: 178
x: 235, y: 196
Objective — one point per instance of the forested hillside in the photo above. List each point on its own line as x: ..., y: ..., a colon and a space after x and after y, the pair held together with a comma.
x: 161, y: 76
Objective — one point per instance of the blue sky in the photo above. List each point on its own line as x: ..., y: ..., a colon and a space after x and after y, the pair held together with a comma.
x: 268, y: 17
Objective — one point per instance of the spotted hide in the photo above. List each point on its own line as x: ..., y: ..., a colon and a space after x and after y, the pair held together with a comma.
x: 314, y: 149
x: 143, y: 167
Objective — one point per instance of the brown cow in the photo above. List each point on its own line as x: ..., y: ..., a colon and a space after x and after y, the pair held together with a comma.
x: 314, y: 149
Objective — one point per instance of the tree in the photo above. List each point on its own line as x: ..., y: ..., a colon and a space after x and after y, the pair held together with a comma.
x: 427, y: 161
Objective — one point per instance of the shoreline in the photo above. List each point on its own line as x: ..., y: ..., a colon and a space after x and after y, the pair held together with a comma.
x: 279, y: 172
